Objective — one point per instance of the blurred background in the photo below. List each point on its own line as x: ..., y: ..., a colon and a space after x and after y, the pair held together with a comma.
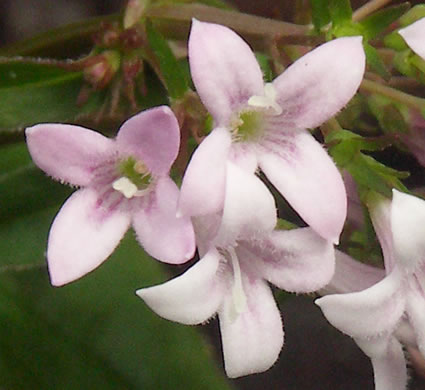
x: 315, y: 355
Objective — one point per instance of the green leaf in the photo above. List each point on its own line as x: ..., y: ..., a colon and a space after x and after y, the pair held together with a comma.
x: 340, y: 11
x: 375, y: 61
x: 176, y: 79
x: 320, y: 13
x: 264, y: 62
x: 96, y: 334
x: 32, y: 93
x: 70, y: 41
x: 379, y: 21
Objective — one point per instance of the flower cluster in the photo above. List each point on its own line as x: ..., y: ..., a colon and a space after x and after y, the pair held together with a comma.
x: 227, y: 212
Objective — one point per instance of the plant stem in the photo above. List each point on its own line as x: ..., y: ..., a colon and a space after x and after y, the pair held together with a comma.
x: 368, y: 8
x: 405, y: 98
x: 244, y: 24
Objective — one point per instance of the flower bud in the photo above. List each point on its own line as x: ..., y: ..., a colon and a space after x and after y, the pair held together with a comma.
x: 134, y: 11
x: 100, y: 69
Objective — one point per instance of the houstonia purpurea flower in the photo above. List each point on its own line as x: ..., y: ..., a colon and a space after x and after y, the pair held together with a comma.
x: 124, y: 181
x: 386, y: 312
x: 414, y: 36
x: 240, y: 252
x: 264, y: 125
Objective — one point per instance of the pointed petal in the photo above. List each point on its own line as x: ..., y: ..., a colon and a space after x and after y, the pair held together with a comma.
x: 203, y: 186
x: 251, y: 342
x: 162, y: 234
x: 408, y: 227
x: 414, y: 36
x: 295, y: 260
x: 320, y: 83
x: 191, y: 298
x: 308, y: 178
x: 68, y: 153
x: 388, y: 361
x: 351, y: 275
x: 415, y: 308
x: 381, y: 220
x: 368, y: 313
x: 224, y: 70
x: 153, y: 137
x: 249, y: 207
x: 82, y: 236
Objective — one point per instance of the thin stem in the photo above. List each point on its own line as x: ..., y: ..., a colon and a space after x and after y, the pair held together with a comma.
x: 369, y: 8
x: 410, y: 100
x: 252, y: 25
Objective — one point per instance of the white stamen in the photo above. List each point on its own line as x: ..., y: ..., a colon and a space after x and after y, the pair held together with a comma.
x: 238, y: 294
x: 125, y: 186
x: 268, y: 100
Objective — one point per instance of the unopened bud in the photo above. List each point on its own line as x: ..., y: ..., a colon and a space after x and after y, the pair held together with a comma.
x: 134, y: 11
x: 100, y: 69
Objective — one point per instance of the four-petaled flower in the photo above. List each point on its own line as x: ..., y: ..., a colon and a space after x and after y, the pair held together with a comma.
x: 265, y: 125
x: 387, y: 311
x: 125, y: 181
x: 240, y: 252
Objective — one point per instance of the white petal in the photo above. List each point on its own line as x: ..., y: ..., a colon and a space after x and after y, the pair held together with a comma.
x: 191, y: 298
x: 252, y: 342
x: 408, y: 227
x: 414, y: 36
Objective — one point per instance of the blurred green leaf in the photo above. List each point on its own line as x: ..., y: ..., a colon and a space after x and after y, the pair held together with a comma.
x: 176, y: 79
x: 340, y: 11
x: 320, y: 13
x: 96, y: 334
x: 379, y: 21
x: 375, y: 61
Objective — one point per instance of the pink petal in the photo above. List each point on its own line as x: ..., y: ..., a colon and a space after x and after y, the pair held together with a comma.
x: 191, y: 298
x: 388, y: 361
x: 368, y: 313
x: 307, y: 177
x: 162, y: 234
x: 82, y: 236
x: 414, y: 36
x: 203, y: 186
x: 351, y: 275
x: 249, y: 207
x: 152, y: 136
x: 296, y: 260
x: 380, y: 214
x: 224, y: 70
x: 320, y: 83
x: 68, y: 153
x: 408, y: 227
x: 251, y: 342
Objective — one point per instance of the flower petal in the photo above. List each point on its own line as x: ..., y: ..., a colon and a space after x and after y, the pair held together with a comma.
x: 321, y: 83
x: 388, y: 361
x: 224, y: 70
x: 414, y: 36
x: 351, y: 275
x: 249, y: 207
x: 162, y: 234
x: 368, y: 313
x: 68, y: 153
x: 308, y: 178
x: 152, y: 136
x: 415, y: 308
x: 203, y: 186
x: 408, y: 227
x: 82, y: 236
x: 380, y: 215
x: 295, y: 260
x: 252, y: 341
x: 191, y: 298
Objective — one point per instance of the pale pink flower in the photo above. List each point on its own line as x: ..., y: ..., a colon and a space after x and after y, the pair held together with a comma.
x: 124, y: 181
x: 263, y: 125
x: 414, y: 36
x: 240, y: 252
x: 392, y: 309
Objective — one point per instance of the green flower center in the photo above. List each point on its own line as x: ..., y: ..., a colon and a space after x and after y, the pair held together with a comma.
x: 249, y: 126
x: 135, y: 171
